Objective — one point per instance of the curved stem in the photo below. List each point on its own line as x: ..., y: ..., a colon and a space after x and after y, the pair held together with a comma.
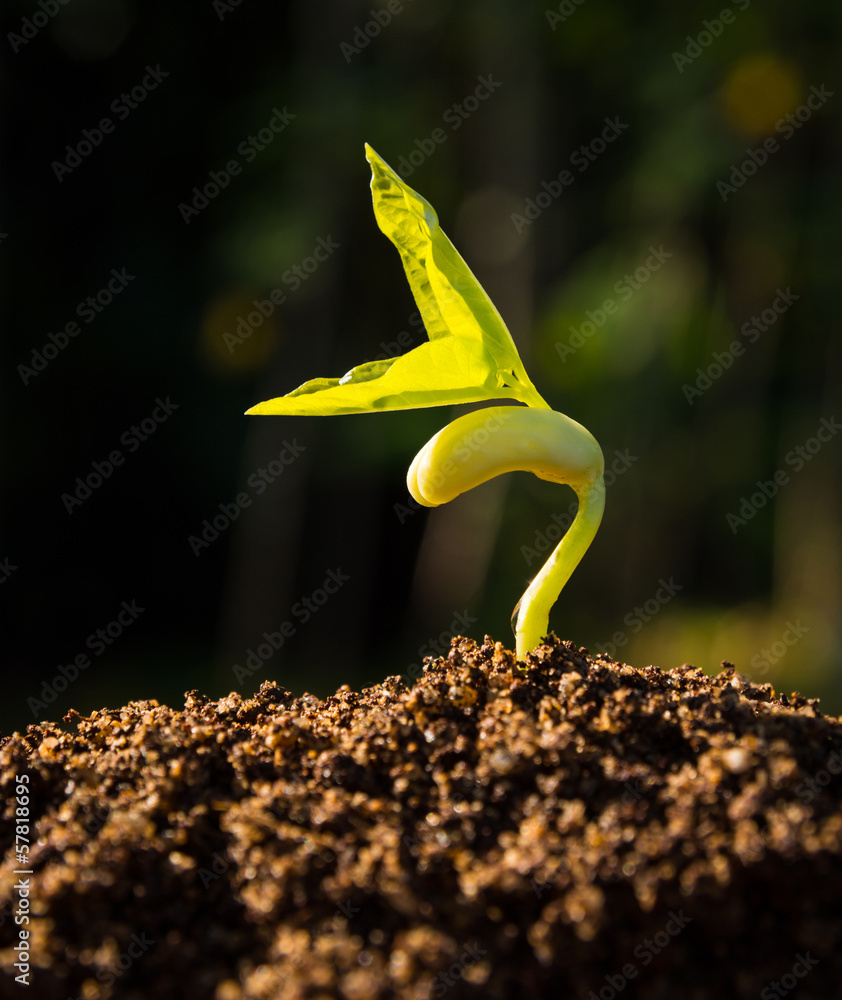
x: 486, y: 443
x: 533, y: 610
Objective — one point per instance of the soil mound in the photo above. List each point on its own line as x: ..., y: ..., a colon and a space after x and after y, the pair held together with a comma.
x: 578, y: 829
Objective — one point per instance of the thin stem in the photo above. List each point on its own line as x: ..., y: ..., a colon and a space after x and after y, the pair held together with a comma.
x: 533, y: 611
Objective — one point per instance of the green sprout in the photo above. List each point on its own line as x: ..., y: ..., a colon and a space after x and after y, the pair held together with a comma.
x: 470, y: 357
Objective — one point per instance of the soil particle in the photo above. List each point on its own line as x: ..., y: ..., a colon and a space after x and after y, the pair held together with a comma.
x: 580, y: 828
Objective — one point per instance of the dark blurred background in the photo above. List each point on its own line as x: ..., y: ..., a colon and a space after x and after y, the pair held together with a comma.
x: 701, y: 210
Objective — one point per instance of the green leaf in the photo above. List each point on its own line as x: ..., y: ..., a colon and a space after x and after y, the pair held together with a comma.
x: 470, y: 355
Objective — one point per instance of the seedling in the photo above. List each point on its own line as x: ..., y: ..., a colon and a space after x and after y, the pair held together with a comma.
x: 470, y: 357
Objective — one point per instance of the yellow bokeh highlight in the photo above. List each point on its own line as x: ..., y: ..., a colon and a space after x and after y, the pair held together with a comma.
x: 239, y: 332
x: 758, y: 92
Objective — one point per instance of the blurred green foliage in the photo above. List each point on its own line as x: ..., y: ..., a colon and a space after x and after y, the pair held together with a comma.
x: 692, y: 125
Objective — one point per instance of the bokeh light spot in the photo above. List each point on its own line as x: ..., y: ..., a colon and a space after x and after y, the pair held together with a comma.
x: 758, y: 92
x: 239, y: 332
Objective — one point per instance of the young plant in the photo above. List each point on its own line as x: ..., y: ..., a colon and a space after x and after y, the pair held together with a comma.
x: 470, y: 357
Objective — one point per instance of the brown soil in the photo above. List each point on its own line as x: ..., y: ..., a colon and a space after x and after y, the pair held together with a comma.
x: 583, y: 829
